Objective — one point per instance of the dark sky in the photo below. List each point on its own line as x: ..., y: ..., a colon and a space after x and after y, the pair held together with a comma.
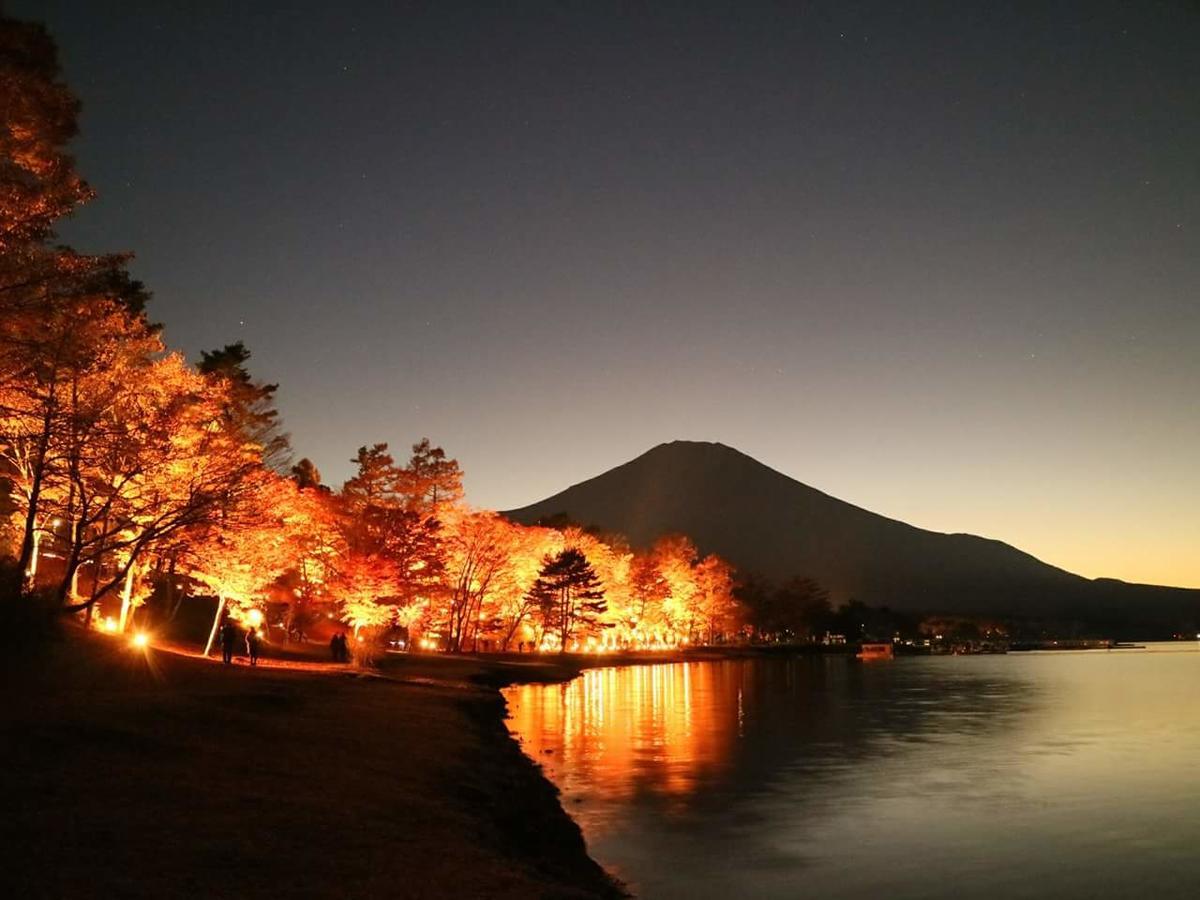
x: 939, y: 259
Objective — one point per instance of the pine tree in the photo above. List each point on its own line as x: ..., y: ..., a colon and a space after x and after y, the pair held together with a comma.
x: 251, y: 404
x: 569, y: 594
x: 431, y: 479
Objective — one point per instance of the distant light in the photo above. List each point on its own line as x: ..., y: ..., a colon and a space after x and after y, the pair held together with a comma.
x: 254, y: 617
x: 109, y: 624
x: 141, y: 640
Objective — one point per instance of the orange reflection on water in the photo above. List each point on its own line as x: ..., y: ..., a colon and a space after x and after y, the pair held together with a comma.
x: 628, y: 730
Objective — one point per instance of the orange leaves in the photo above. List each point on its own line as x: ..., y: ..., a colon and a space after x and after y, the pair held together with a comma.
x: 39, y: 183
x: 662, y: 597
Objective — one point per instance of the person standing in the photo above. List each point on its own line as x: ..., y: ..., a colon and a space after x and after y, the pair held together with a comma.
x: 252, y: 644
x: 228, y: 641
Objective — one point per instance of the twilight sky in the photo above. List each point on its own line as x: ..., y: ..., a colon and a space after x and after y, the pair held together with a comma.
x: 941, y: 260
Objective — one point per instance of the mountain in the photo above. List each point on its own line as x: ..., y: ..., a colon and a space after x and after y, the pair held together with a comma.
x: 768, y: 524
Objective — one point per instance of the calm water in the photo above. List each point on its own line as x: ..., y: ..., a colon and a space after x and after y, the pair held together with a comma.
x: 1026, y: 775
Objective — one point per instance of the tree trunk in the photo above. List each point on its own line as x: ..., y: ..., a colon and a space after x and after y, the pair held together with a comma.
x: 564, y: 625
x: 126, y: 599
x: 212, y: 635
x: 66, y: 588
x: 32, y: 565
x: 29, y: 539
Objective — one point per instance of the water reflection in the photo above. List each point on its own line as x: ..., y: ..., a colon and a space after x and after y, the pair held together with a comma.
x: 649, y: 730
x: 755, y: 778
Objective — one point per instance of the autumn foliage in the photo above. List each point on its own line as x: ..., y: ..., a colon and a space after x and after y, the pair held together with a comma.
x: 127, y: 473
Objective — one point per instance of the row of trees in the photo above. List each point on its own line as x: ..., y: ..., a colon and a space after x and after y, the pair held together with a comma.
x: 110, y: 443
x: 131, y: 470
x: 396, y: 547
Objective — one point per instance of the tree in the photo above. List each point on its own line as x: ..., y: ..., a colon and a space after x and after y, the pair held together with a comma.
x: 368, y: 588
x: 376, y: 481
x: 718, y: 610
x: 70, y: 360
x: 648, y: 590
x: 177, y: 471
x: 514, y: 607
x: 48, y: 295
x: 315, y: 544
x: 392, y: 547
x: 796, y: 610
x: 239, y: 556
x: 38, y: 181
x: 431, y: 480
x: 569, y: 595
x: 250, y: 404
x: 675, y: 556
x: 481, y: 563
x: 306, y: 475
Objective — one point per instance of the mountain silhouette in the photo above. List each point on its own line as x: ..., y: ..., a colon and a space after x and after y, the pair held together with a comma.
x: 770, y: 525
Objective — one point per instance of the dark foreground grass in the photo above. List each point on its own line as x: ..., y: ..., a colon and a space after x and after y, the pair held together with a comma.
x: 125, y: 774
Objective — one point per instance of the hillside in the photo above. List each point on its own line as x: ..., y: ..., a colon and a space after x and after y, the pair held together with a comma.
x: 769, y: 524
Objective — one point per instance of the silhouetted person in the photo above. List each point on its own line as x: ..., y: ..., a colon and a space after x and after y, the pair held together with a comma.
x: 252, y: 643
x: 228, y: 641
x: 341, y: 652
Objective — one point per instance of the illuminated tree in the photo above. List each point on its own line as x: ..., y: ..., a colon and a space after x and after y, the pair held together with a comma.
x: 675, y: 556
x: 569, y: 595
x: 431, y: 480
x: 395, y: 559
x: 367, y: 587
x: 481, y: 564
x: 315, y: 545
x: 239, y: 556
x: 515, y: 608
x: 643, y: 616
x: 65, y: 361
x: 249, y: 405
x: 50, y: 297
x: 376, y: 481
x: 38, y: 181
x: 718, y: 611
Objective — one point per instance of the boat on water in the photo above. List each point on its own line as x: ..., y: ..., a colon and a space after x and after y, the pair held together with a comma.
x: 876, y: 651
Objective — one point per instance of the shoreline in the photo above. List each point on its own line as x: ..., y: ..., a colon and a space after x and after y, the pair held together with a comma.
x: 565, y: 854
x: 154, y: 771
x: 148, y: 773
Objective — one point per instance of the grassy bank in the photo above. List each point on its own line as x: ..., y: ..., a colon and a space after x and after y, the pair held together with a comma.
x: 125, y: 773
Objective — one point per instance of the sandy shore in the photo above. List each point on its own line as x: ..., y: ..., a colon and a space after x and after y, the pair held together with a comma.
x: 149, y: 774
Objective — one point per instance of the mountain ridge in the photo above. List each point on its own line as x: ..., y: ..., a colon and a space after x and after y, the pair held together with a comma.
x: 769, y: 524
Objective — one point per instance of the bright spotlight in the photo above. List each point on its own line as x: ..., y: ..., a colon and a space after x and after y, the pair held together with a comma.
x: 141, y: 640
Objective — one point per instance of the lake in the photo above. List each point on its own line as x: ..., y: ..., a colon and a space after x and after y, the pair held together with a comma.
x: 1023, y: 775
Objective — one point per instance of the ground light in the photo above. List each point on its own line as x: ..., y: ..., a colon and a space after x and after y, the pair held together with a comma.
x: 141, y: 640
